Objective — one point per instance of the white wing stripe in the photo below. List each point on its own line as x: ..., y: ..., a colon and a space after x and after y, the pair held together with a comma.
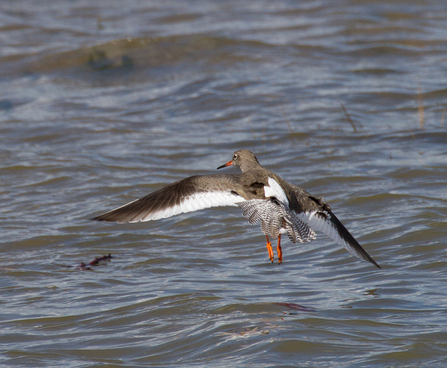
x: 194, y: 202
x: 325, y: 226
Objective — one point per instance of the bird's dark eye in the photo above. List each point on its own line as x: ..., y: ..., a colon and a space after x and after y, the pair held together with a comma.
x: 234, y: 157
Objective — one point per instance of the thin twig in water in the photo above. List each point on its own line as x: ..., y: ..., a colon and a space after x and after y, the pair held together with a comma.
x: 287, y: 120
x: 421, y: 106
x: 349, y: 118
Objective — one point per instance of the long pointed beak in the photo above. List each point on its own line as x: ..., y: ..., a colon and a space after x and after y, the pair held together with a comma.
x: 229, y: 163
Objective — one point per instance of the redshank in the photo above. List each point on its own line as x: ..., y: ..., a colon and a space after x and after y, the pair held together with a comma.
x: 281, y: 207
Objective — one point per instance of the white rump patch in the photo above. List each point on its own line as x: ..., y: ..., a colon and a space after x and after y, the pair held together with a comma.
x: 194, y: 202
x: 275, y: 190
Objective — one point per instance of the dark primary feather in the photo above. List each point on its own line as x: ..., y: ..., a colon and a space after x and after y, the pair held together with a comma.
x: 353, y: 245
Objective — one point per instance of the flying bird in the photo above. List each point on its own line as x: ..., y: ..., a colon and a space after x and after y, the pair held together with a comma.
x: 263, y: 196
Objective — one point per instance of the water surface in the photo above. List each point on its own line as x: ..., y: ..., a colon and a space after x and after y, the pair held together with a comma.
x: 103, y: 103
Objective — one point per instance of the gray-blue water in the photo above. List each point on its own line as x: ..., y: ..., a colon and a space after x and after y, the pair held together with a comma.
x: 104, y: 102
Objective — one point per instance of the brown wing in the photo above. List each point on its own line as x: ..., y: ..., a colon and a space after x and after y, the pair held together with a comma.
x: 190, y: 194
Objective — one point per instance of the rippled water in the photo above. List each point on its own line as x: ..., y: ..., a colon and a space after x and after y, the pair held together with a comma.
x: 101, y: 104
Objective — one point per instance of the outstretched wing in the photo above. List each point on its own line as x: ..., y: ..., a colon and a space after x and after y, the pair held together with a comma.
x: 318, y: 216
x: 187, y: 195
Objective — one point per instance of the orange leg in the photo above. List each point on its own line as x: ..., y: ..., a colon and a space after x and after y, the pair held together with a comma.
x: 279, y: 250
x: 269, y: 248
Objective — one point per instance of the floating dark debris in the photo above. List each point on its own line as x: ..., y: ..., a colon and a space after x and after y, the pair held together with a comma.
x: 95, y: 262
x: 88, y: 266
